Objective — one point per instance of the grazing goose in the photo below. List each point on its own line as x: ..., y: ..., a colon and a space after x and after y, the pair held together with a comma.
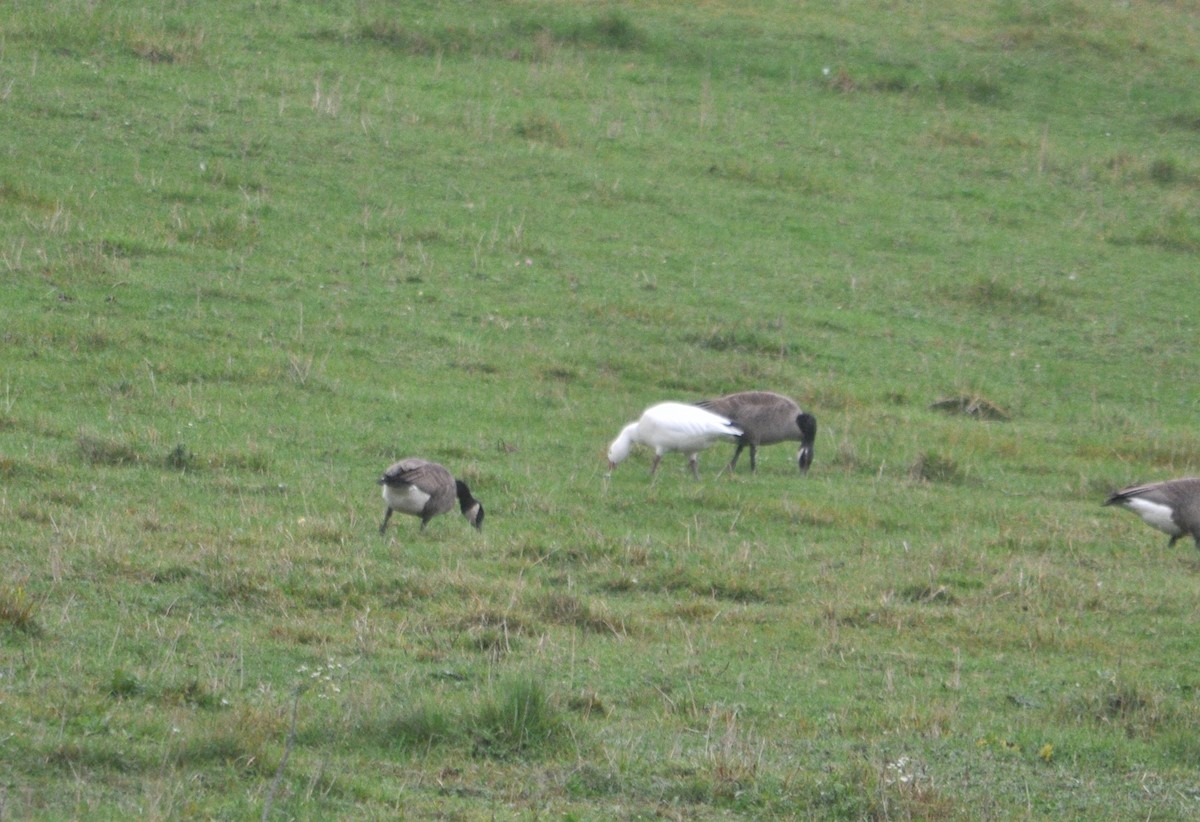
x: 767, y: 418
x: 672, y: 426
x: 426, y: 489
x: 1172, y: 507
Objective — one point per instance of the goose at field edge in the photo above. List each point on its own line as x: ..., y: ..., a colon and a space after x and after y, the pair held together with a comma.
x: 1171, y: 506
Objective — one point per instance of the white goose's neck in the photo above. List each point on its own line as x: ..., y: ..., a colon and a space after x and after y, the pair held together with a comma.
x: 619, y: 450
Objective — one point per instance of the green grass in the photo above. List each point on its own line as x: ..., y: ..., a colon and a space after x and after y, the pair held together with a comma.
x: 250, y: 258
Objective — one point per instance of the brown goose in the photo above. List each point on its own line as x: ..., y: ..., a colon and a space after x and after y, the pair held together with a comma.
x: 426, y: 489
x: 767, y: 418
x: 1172, y: 507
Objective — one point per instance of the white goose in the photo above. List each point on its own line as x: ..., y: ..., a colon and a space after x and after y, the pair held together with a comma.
x: 672, y: 426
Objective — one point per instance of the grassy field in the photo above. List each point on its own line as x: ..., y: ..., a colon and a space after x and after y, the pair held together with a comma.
x: 251, y: 256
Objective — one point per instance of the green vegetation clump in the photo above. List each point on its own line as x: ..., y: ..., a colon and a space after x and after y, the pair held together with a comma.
x: 18, y: 610
x: 252, y: 255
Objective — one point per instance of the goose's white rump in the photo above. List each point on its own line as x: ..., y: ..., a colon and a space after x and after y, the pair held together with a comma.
x: 672, y: 426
